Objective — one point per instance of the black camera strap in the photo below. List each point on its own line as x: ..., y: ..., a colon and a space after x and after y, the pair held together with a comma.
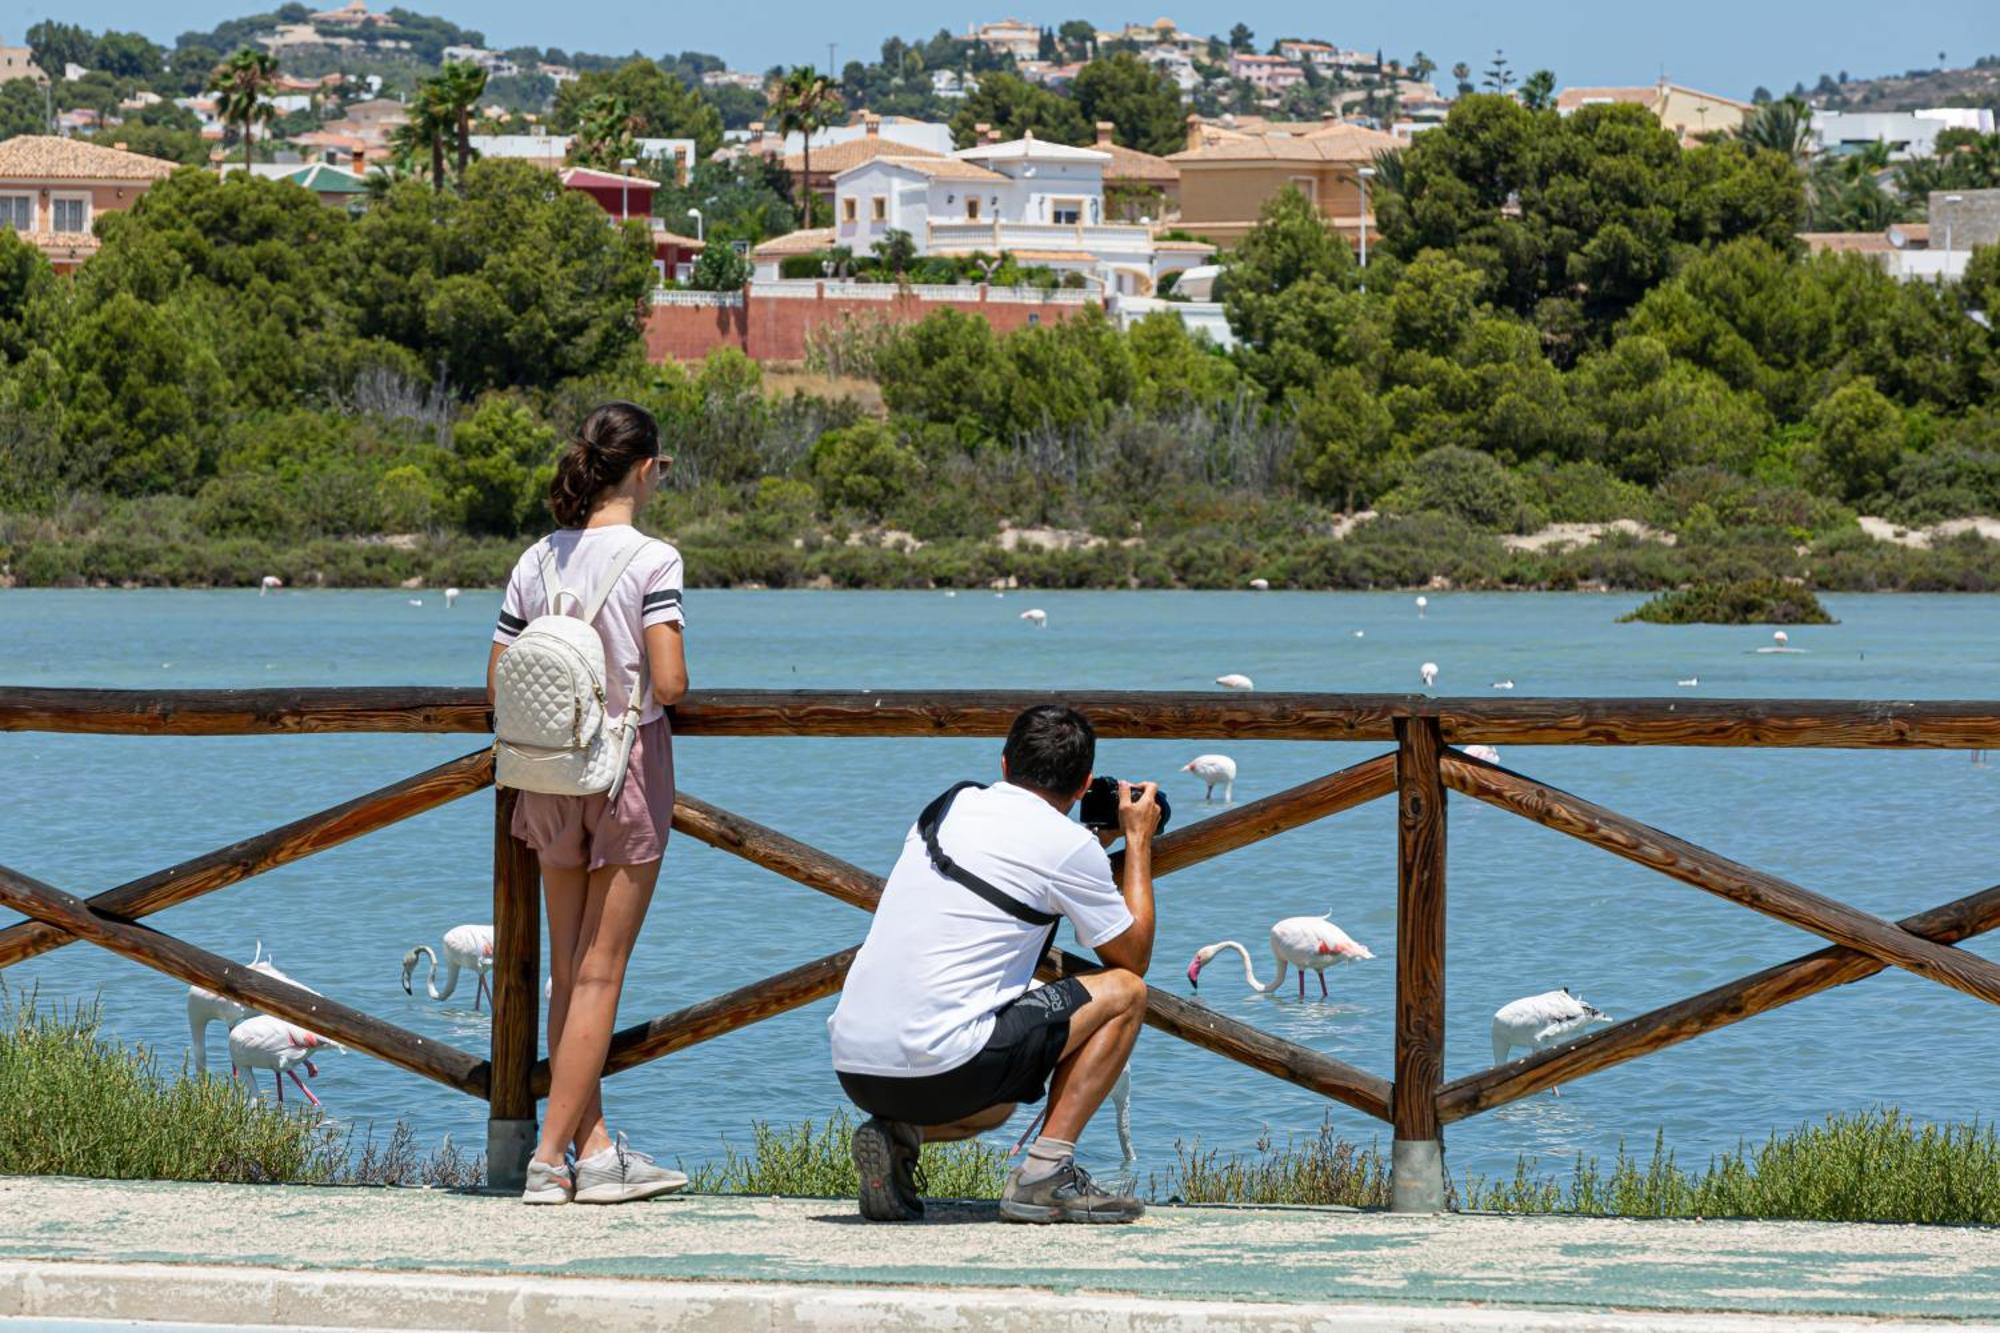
x: 927, y: 825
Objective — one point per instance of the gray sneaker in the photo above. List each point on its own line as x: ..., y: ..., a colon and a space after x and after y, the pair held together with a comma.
x: 621, y: 1174
x: 1066, y: 1194
x: 548, y: 1184
x: 886, y: 1156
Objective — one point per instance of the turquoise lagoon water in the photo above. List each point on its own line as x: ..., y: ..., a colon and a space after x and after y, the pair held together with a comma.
x: 1529, y: 910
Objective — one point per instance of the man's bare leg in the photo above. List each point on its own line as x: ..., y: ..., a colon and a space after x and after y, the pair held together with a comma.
x: 1101, y: 1037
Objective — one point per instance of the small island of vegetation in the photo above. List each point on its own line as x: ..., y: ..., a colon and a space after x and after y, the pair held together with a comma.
x: 1741, y: 602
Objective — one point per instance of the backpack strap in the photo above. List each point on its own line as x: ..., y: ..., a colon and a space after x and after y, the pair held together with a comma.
x: 553, y: 590
x: 619, y: 564
x: 927, y: 825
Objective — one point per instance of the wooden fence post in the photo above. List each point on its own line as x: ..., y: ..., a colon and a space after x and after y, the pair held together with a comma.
x: 1417, y: 1145
x: 517, y: 1001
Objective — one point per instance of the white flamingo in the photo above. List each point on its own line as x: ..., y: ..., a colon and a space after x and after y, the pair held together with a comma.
x: 450, y: 596
x: 1535, y: 1021
x: 1309, y: 943
x: 1423, y: 603
x: 1503, y: 684
x: 1037, y: 617
x: 1690, y: 683
x: 204, y: 1006
x: 1217, y: 770
x: 1260, y: 585
x: 464, y: 946
x: 264, y: 1042
x: 1235, y: 681
x: 1486, y: 752
x: 1429, y: 671
x: 1121, y: 1102
x: 269, y: 583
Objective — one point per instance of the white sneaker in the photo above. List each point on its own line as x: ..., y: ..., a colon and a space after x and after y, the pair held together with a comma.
x: 621, y: 1174
x: 549, y: 1184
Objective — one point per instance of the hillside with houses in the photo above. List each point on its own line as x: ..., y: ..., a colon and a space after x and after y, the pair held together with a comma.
x: 325, y: 286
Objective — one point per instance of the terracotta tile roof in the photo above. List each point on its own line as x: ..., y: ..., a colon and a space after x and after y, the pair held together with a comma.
x: 1130, y: 164
x: 1569, y: 99
x: 44, y: 157
x: 833, y: 159
x: 1336, y: 143
x: 806, y: 242
x: 1055, y: 256
x: 1846, y: 242
x: 939, y: 168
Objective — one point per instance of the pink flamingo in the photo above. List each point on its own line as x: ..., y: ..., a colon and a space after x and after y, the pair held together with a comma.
x: 264, y: 1042
x: 464, y: 946
x: 1309, y: 943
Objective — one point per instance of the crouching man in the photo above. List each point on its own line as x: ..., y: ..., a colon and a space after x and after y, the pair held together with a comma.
x: 938, y: 1034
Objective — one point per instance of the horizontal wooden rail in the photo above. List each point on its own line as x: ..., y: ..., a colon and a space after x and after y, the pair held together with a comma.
x: 1194, y: 715
x: 253, y: 856
x: 1706, y: 870
x: 163, y: 953
x: 1780, y: 723
x: 1239, y: 826
x: 1731, y: 1002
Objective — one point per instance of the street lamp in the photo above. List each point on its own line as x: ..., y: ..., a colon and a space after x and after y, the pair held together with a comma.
x: 1949, y: 199
x: 695, y: 213
x: 625, y: 165
x: 1363, y: 175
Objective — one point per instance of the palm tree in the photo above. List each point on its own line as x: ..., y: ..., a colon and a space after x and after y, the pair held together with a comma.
x: 805, y: 101
x: 1784, y: 127
x: 425, y: 132
x: 1463, y: 73
x: 240, y: 84
x: 604, y: 131
x: 461, y: 85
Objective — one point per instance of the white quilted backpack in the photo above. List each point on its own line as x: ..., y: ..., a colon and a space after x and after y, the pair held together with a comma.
x: 552, y: 727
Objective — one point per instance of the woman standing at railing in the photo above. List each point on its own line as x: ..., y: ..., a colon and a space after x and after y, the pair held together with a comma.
x: 600, y: 855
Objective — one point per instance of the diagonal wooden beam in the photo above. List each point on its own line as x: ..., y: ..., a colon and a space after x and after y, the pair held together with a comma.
x: 1706, y: 870
x: 266, y: 851
x: 1731, y: 1002
x: 179, y: 959
x: 717, y: 1016
x: 1191, y: 1023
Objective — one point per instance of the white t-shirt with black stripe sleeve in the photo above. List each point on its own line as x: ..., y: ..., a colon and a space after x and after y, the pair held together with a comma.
x: 648, y: 593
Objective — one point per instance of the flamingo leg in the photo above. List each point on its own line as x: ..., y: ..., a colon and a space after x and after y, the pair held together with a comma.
x: 1322, y: 986
x: 278, y: 1081
x: 311, y: 1072
x: 302, y: 1087
x: 1302, y: 983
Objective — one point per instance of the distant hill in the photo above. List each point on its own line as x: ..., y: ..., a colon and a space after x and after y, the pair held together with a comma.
x: 1977, y: 86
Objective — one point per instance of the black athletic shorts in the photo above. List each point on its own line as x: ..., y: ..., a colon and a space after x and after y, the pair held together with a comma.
x: 1029, y: 1034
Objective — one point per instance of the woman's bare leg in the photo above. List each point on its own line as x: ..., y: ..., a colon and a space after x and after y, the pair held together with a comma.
x: 614, y: 908
x: 564, y: 889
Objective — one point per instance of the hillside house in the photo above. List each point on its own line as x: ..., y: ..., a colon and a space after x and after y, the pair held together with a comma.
x: 53, y: 190
x: 1688, y: 112
x: 18, y: 62
x: 1228, y: 176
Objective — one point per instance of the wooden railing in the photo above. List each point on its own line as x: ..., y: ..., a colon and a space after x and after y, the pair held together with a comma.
x: 1421, y: 768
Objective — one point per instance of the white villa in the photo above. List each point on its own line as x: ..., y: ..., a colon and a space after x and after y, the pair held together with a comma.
x: 1042, y: 202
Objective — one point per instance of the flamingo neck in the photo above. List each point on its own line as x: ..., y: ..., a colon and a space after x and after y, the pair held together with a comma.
x: 1250, y: 972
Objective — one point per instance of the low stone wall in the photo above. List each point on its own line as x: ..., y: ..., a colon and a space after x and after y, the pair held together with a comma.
x: 770, y: 321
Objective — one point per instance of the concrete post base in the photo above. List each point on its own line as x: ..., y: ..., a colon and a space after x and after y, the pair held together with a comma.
x: 509, y: 1145
x: 1416, y: 1176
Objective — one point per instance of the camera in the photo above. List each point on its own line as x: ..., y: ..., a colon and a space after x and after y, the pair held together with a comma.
x: 1099, y: 809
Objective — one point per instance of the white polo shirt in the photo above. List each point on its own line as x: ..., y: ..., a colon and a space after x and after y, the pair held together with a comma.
x: 939, y: 960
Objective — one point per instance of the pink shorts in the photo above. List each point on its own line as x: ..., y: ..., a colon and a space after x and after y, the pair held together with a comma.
x: 571, y: 831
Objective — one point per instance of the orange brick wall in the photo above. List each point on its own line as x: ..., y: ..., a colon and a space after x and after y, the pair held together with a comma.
x: 768, y: 328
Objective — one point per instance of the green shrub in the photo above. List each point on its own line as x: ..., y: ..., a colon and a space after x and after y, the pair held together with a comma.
x: 244, y: 504
x: 1742, y: 602
x: 1466, y: 484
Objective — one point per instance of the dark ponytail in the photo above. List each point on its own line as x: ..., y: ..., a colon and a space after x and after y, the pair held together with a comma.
x: 614, y: 439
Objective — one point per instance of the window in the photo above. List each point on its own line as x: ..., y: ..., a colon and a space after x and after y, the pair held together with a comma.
x: 971, y: 208
x: 847, y: 209
x: 1066, y: 212
x: 1307, y: 186
x: 71, y: 214
x: 17, y: 211
x: 879, y: 207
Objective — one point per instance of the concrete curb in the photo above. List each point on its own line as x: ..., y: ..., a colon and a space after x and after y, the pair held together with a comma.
x: 346, y: 1299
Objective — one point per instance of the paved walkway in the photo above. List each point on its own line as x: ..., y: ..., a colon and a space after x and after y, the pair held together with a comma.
x: 428, y: 1259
